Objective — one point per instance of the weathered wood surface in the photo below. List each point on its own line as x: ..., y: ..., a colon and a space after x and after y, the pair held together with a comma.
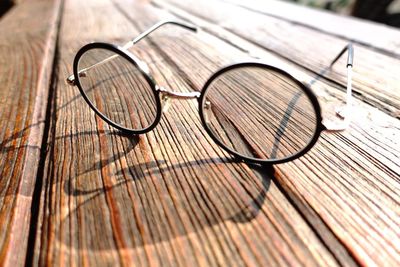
x: 315, y: 52
x: 379, y: 36
x: 352, y: 168
x: 27, y: 45
x: 171, y: 197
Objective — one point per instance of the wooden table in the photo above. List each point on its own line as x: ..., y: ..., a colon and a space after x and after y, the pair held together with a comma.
x: 73, y: 191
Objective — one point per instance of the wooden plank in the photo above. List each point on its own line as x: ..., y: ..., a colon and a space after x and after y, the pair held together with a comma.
x: 26, y: 55
x: 166, y: 198
x: 373, y: 83
x: 379, y: 36
x: 347, y: 170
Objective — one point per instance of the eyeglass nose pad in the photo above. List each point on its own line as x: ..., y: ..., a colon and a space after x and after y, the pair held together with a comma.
x: 207, y: 111
x: 82, y: 74
x: 165, y: 102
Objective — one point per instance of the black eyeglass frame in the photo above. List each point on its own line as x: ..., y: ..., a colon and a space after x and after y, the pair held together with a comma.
x: 160, y: 93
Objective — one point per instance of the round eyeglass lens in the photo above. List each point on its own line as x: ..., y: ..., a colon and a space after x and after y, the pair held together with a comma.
x: 117, y: 89
x: 259, y: 113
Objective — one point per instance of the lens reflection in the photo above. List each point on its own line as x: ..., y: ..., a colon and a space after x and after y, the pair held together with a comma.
x: 259, y: 113
x: 117, y: 88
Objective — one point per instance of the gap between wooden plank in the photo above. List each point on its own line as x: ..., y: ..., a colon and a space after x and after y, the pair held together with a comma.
x: 45, y: 148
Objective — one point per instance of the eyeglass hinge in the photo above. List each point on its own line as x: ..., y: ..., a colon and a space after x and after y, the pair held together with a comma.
x: 71, y: 80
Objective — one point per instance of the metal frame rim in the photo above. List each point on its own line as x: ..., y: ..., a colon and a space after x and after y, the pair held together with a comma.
x: 138, y: 64
x: 314, y: 101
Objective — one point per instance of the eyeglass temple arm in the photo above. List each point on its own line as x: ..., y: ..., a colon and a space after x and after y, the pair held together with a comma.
x: 155, y: 27
x: 343, y: 113
x: 71, y: 78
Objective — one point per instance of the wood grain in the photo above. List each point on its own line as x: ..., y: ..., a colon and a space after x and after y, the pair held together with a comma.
x: 260, y: 113
x: 373, y: 83
x: 169, y: 197
x: 108, y: 85
x: 26, y: 54
x: 360, y: 147
x: 379, y: 36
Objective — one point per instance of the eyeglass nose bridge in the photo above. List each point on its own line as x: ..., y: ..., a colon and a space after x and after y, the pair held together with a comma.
x: 167, y: 95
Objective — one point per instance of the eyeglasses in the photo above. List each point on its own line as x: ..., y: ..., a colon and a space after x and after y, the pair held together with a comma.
x: 255, y: 111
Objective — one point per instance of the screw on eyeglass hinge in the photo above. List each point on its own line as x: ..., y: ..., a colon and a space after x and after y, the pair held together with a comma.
x: 71, y: 79
x: 207, y: 104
